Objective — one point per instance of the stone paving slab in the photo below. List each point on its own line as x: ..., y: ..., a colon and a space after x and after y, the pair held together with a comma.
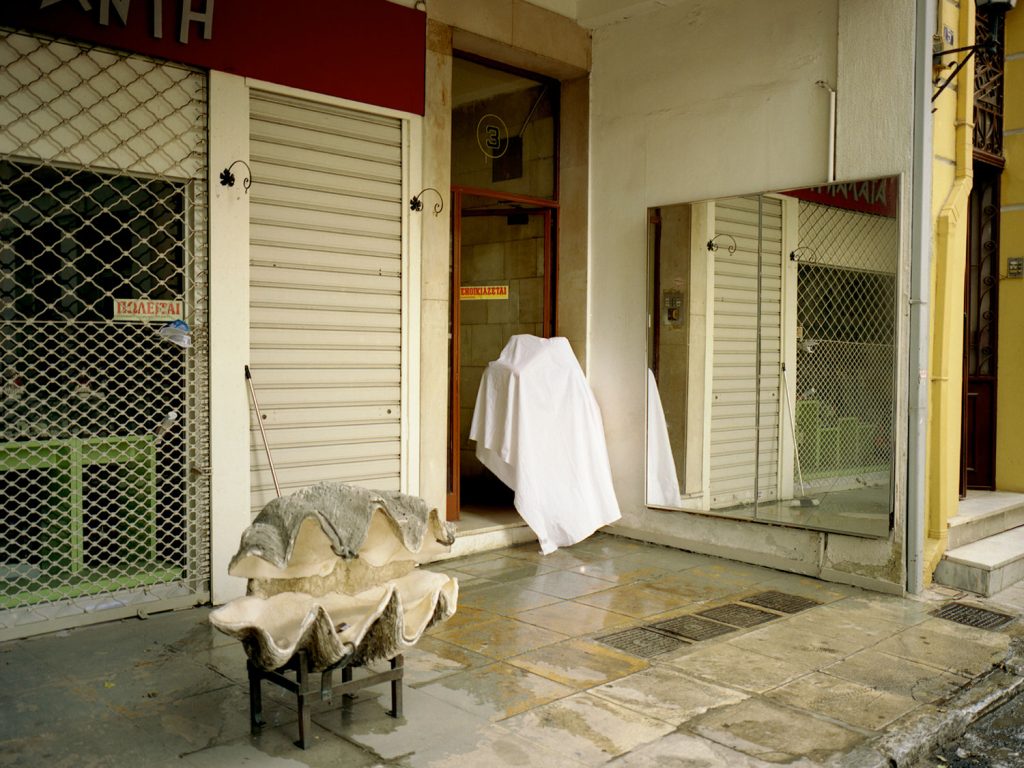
x: 636, y: 600
x: 799, y: 645
x: 517, y: 677
x: 729, y: 665
x: 952, y: 647
x: 883, y: 672
x: 564, y: 584
x: 666, y: 694
x: 579, y: 663
x: 426, y: 723
x: 497, y: 691
x: 587, y: 728
x: 569, y: 618
x: 493, y: 748
x: 683, y: 750
x: 843, y: 700
x: 774, y: 732
x: 433, y: 659
x: 500, y: 638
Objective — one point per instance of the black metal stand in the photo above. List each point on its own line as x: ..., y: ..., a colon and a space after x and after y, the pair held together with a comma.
x: 303, y: 687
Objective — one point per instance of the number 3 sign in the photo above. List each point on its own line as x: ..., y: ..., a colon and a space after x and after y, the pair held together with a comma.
x: 492, y: 136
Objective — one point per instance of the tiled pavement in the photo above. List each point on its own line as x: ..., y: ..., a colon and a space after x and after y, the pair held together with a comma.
x: 523, y: 675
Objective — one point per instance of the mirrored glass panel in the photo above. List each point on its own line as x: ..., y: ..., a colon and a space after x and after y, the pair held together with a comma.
x: 771, y: 356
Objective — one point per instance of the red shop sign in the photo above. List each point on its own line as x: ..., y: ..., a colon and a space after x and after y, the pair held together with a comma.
x: 876, y: 196
x: 370, y: 51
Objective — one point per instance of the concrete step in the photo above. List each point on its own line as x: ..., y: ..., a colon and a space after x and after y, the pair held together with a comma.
x: 486, y: 538
x: 983, y: 514
x: 986, y: 566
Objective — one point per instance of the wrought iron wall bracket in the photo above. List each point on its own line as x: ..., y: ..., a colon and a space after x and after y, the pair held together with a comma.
x: 416, y: 203
x: 713, y: 246
x: 798, y: 254
x: 227, y: 178
x: 970, y: 49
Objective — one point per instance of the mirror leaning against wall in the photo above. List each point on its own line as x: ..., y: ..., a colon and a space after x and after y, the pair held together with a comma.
x: 772, y: 356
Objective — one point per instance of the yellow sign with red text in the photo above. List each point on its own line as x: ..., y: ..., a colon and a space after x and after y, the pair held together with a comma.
x: 477, y: 292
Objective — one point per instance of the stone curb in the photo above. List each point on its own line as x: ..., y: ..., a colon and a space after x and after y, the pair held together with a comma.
x: 912, y: 738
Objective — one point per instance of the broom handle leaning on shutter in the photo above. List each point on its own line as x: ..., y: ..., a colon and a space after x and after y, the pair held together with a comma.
x: 263, y: 433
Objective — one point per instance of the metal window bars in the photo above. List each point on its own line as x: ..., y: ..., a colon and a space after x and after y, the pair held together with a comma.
x: 846, y: 320
x: 104, y: 500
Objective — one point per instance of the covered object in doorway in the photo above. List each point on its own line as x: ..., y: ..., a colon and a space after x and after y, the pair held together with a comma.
x: 537, y: 426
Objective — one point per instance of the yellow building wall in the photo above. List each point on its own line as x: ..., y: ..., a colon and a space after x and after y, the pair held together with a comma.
x: 1010, y: 353
x: 951, y: 186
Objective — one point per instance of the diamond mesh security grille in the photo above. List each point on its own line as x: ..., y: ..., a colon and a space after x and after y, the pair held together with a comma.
x: 845, y: 345
x: 103, y: 425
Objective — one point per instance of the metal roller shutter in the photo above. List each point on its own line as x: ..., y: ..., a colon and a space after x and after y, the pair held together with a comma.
x: 747, y: 352
x: 325, y: 294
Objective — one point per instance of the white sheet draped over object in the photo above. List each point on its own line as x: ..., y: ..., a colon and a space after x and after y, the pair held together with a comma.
x: 538, y: 428
x: 662, y: 478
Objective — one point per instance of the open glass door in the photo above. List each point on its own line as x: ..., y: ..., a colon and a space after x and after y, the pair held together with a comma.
x: 502, y: 279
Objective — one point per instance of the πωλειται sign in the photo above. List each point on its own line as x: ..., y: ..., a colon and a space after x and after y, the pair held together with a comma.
x: 147, y: 310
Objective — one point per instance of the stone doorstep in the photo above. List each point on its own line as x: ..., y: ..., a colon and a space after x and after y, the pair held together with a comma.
x: 985, y: 514
x: 486, y: 539
x: 986, y: 566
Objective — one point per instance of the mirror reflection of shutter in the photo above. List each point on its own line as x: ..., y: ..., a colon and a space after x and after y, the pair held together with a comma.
x: 325, y: 294
x: 747, y: 334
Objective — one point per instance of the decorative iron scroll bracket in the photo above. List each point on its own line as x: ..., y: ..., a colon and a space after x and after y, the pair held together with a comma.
x: 713, y: 246
x: 970, y: 49
x: 796, y: 253
x: 227, y: 178
x: 416, y: 203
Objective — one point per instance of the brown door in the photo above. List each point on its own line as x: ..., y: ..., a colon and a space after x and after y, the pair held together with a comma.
x: 981, y: 307
x: 502, y: 285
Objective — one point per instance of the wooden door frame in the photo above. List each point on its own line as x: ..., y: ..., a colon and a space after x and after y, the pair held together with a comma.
x: 533, y: 206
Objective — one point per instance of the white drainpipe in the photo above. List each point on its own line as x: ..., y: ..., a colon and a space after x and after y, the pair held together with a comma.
x: 920, y: 287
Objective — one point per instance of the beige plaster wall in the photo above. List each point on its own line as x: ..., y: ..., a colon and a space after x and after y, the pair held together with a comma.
x: 518, y: 33
x: 435, y: 250
x: 1010, y: 420
x: 709, y: 99
x: 571, y: 305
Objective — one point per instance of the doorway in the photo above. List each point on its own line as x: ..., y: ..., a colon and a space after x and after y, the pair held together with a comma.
x: 505, y: 132
x: 981, y: 311
x: 502, y: 285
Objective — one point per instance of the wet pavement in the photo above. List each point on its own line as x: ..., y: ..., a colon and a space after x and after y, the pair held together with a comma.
x: 527, y: 673
x: 994, y: 741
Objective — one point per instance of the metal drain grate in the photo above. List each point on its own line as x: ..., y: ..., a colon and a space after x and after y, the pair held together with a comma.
x: 780, y: 601
x: 972, y: 616
x: 738, y: 615
x: 642, y: 642
x: 692, y: 627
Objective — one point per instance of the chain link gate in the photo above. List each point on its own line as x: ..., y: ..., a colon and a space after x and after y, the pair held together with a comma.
x: 846, y: 347
x: 104, y: 495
